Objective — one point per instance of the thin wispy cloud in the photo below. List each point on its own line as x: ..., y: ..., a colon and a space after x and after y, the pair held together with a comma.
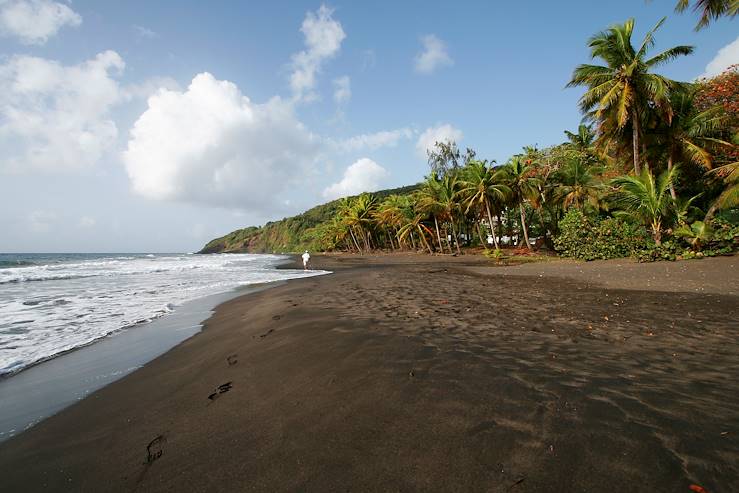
x: 342, y: 90
x: 323, y: 37
x: 434, y: 56
x: 373, y: 141
x: 142, y: 32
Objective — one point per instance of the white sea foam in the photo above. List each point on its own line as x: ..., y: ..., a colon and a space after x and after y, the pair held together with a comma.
x: 51, y: 308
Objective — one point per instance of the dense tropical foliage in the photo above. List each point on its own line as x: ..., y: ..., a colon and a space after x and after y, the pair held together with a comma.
x: 652, y: 172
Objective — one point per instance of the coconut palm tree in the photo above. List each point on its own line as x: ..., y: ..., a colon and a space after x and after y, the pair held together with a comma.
x: 692, y: 135
x: 430, y: 203
x: 576, y: 185
x: 414, y: 224
x: 482, y: 187
x: 709, y: 10
x: 583, y: 140
x: 389, y: 216
x: 647, y: 198
x: 730, y: 196
x: 451, y: 204
x: 518, y: 175
x: 625, y: 88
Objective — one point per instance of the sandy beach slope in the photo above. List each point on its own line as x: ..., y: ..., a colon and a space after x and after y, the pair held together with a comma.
x: 416, y: 373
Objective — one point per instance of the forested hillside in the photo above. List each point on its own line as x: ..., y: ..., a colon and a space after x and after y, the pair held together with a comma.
x: 291, y: 234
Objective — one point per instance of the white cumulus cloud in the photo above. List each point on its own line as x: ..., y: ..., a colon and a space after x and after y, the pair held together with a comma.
x: 211, y: 145
x: 323, y: 36
x: 442, y: 133
x: 56, y: 117
x: 726, y: 56
x: 35, y: 21
x: 433, y: 56
x: 342, y: 90
x: 383, y: 138
x: 364, y: 175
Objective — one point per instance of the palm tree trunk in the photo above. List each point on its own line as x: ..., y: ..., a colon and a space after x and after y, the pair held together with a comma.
x: 657, y: 232
x: 479, y: 233
x: 454, y: 238
x: 492, y: 225
x: 669, y: 168
x: 428, y: 245
x: 635, y: 140
x: 356, y: 243
x: 524, y: 228
x: 438, y: 235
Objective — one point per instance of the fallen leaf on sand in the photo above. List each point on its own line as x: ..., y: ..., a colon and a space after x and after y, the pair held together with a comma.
x: 698, y: 489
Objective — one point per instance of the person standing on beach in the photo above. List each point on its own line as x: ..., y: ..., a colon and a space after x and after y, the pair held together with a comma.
x: 306, y: 259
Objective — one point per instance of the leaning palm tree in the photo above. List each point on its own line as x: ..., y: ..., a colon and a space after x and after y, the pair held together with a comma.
x: 646, y: 198
x: 482, y: 187
x: 414, y: 224
x: 625, y: 88
x: 430, y: 203
x: 692, y: 135
x: 450, y: 201
x: 710, y: 10
x: 518, y: 176
x: 730, y: 196
x: 389, y: 216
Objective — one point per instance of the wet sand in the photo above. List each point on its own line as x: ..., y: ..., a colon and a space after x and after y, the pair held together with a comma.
x: 416, y: 373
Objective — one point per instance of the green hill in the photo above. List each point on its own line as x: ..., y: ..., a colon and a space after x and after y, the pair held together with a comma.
x: 288, y: 235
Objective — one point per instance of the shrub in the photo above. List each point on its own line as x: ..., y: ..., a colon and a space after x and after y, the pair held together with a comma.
x: 587, y: 238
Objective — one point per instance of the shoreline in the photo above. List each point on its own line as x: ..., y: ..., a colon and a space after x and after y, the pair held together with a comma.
x: 41, y: 389
x: 392, y: 374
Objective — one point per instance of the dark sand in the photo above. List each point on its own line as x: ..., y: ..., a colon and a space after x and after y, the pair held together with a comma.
x: 415, y: 373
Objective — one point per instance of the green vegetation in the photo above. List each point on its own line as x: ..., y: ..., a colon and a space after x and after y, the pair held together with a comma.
x: 652, y: 172
x: 292, y: 234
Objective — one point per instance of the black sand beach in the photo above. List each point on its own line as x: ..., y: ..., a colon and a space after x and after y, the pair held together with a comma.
x: 417, y: 373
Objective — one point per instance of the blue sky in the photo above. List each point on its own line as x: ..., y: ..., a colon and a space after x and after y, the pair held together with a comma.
x: 155, y: 126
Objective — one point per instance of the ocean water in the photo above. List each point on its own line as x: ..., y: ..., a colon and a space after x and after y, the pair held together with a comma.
x: 52, y: 303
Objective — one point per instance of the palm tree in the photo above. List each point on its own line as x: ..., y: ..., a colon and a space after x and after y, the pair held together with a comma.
x: 518, y: 175
x: 449, y: 199
x: 625, y: 87
x: 692, y: 135
x: 730, y: 196
x: 429, y: 202
x: 647, y: 198
x: 583, y: 140
x: 482, y: 187
x: 349, y: 219
x: 710, y: 10
x: 389, y: 216
x: 414, y: 224
x: 577, y: 186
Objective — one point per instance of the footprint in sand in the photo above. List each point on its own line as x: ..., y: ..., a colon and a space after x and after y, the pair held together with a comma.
x: 155, y: 449
x: 232, y: 359
x: 266, y: 333
x: 222, y: 389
